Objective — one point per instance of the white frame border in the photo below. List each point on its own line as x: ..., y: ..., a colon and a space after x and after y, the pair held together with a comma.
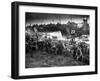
x: 53, y: 70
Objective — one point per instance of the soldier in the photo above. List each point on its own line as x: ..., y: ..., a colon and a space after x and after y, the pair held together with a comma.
x: 48, y: 45
x: 79, y: 54
x: 74, y: 51
x: 54, y: 48
x: 60, y: 48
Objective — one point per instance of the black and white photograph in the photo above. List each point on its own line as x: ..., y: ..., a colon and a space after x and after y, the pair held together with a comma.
x: 53, y: 40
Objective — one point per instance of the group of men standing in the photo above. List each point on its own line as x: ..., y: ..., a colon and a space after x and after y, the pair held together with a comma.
x: 57, y: 47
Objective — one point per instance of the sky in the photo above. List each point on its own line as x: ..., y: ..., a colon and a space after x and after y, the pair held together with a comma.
x: 47, y: 18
